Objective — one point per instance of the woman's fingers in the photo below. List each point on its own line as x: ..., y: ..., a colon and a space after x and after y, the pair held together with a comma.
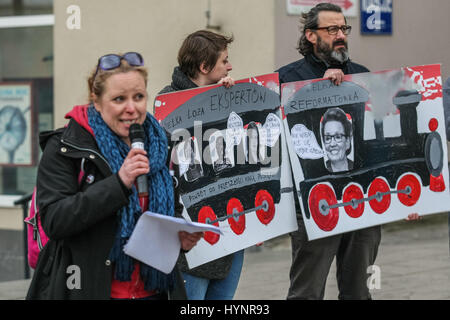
x: 189, y: 240
x: 135, y: 164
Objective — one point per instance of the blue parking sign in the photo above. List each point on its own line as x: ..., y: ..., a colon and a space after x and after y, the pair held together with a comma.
x: 376, y: 17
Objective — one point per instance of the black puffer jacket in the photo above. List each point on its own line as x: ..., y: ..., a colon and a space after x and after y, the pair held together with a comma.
x: 80, y: 219
x: 219, y: 268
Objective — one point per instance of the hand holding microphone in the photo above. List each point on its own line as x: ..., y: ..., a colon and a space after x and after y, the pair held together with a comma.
x: 136, y: 165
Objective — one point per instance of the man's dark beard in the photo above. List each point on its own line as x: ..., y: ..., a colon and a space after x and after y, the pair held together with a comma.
x: 329, y: 55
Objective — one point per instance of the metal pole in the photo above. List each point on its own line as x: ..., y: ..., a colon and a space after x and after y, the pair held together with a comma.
x: 24, y: 203
x: 25, y: 242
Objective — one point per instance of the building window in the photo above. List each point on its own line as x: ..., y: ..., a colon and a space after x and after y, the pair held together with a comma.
x: 26, y: 91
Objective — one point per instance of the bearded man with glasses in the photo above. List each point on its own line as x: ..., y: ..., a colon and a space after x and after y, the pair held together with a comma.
x: 323, y: 43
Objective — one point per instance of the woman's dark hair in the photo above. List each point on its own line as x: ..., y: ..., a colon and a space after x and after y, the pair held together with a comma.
x: 310, y: 20
x: 337, y: 114
x: 202, y: 46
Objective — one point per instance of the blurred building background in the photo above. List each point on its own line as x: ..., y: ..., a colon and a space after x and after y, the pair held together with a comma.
x: 52, y: 46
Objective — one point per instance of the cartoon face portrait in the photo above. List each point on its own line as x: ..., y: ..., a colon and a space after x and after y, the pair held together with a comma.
x: 218, y: 153
x: 194, y: 169
x: 253, y: 143
x: 220, y: 149
x: 337, y: 140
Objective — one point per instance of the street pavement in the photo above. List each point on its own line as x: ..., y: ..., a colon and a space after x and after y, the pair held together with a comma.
x: 413, y: 263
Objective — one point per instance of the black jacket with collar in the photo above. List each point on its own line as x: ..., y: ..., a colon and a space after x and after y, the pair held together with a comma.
x: 79, y: 218
x: 311, y: 67
x: 180, y: 81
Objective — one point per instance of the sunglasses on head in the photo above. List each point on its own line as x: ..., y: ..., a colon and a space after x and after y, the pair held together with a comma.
x: 113, y: 61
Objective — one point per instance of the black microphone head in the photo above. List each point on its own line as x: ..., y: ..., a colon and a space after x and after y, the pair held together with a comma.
x: 136, y: 132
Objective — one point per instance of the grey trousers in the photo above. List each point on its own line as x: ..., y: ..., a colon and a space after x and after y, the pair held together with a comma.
x: 311, y: 260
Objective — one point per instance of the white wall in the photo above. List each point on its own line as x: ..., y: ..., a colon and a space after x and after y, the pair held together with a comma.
x: 156, y: 29
x: 420, y: 36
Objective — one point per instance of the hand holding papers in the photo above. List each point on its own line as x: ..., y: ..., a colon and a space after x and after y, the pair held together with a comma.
x: 155, y: 240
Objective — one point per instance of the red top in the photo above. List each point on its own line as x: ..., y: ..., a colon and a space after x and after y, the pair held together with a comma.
x: 133, y: 289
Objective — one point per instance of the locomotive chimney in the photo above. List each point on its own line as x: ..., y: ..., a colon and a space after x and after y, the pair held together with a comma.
x: 379, y: 131
x: 407, y: 102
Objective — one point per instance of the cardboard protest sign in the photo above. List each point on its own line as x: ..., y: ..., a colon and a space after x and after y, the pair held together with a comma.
x: 231, y: 163
x: 367, y: 152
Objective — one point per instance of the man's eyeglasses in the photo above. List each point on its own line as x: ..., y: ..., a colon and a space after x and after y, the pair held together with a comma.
x: 337, y: 137
x: 112, y: 61
x: 333, y: 30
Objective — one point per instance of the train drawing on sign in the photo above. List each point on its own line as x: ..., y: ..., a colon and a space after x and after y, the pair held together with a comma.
x: 369, y: 151
x: 227, y: 158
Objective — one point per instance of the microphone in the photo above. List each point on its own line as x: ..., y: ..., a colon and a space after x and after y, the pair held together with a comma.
x: 137, y: 138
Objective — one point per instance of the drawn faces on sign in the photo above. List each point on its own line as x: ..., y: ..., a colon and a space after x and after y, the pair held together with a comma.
x: 220, y: 159
x: 189, y: 161
x: 336, y: 130
x: 252, y: 143
x: 261, y: 141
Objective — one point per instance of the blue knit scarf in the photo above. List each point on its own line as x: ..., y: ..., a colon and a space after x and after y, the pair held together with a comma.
x: 161, y: 198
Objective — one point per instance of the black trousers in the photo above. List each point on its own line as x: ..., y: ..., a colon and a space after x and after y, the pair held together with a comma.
x: 311, y: 260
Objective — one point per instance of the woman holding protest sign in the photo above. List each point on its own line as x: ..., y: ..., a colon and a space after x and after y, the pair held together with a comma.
x: 203, y: 60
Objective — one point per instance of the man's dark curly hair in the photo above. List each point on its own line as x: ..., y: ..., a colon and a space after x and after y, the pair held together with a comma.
x: 310, y: 20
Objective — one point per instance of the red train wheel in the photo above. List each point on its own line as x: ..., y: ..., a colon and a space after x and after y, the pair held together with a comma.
x: 382, y: 202
x: 409, y: 183
x: 207, y: 213
x: 351, y: 193
x: 236, y: 224
x: 266, y: 214
x: 321, y: 197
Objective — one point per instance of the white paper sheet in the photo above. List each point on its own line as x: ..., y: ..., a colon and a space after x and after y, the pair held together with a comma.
x: 155, y: 240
